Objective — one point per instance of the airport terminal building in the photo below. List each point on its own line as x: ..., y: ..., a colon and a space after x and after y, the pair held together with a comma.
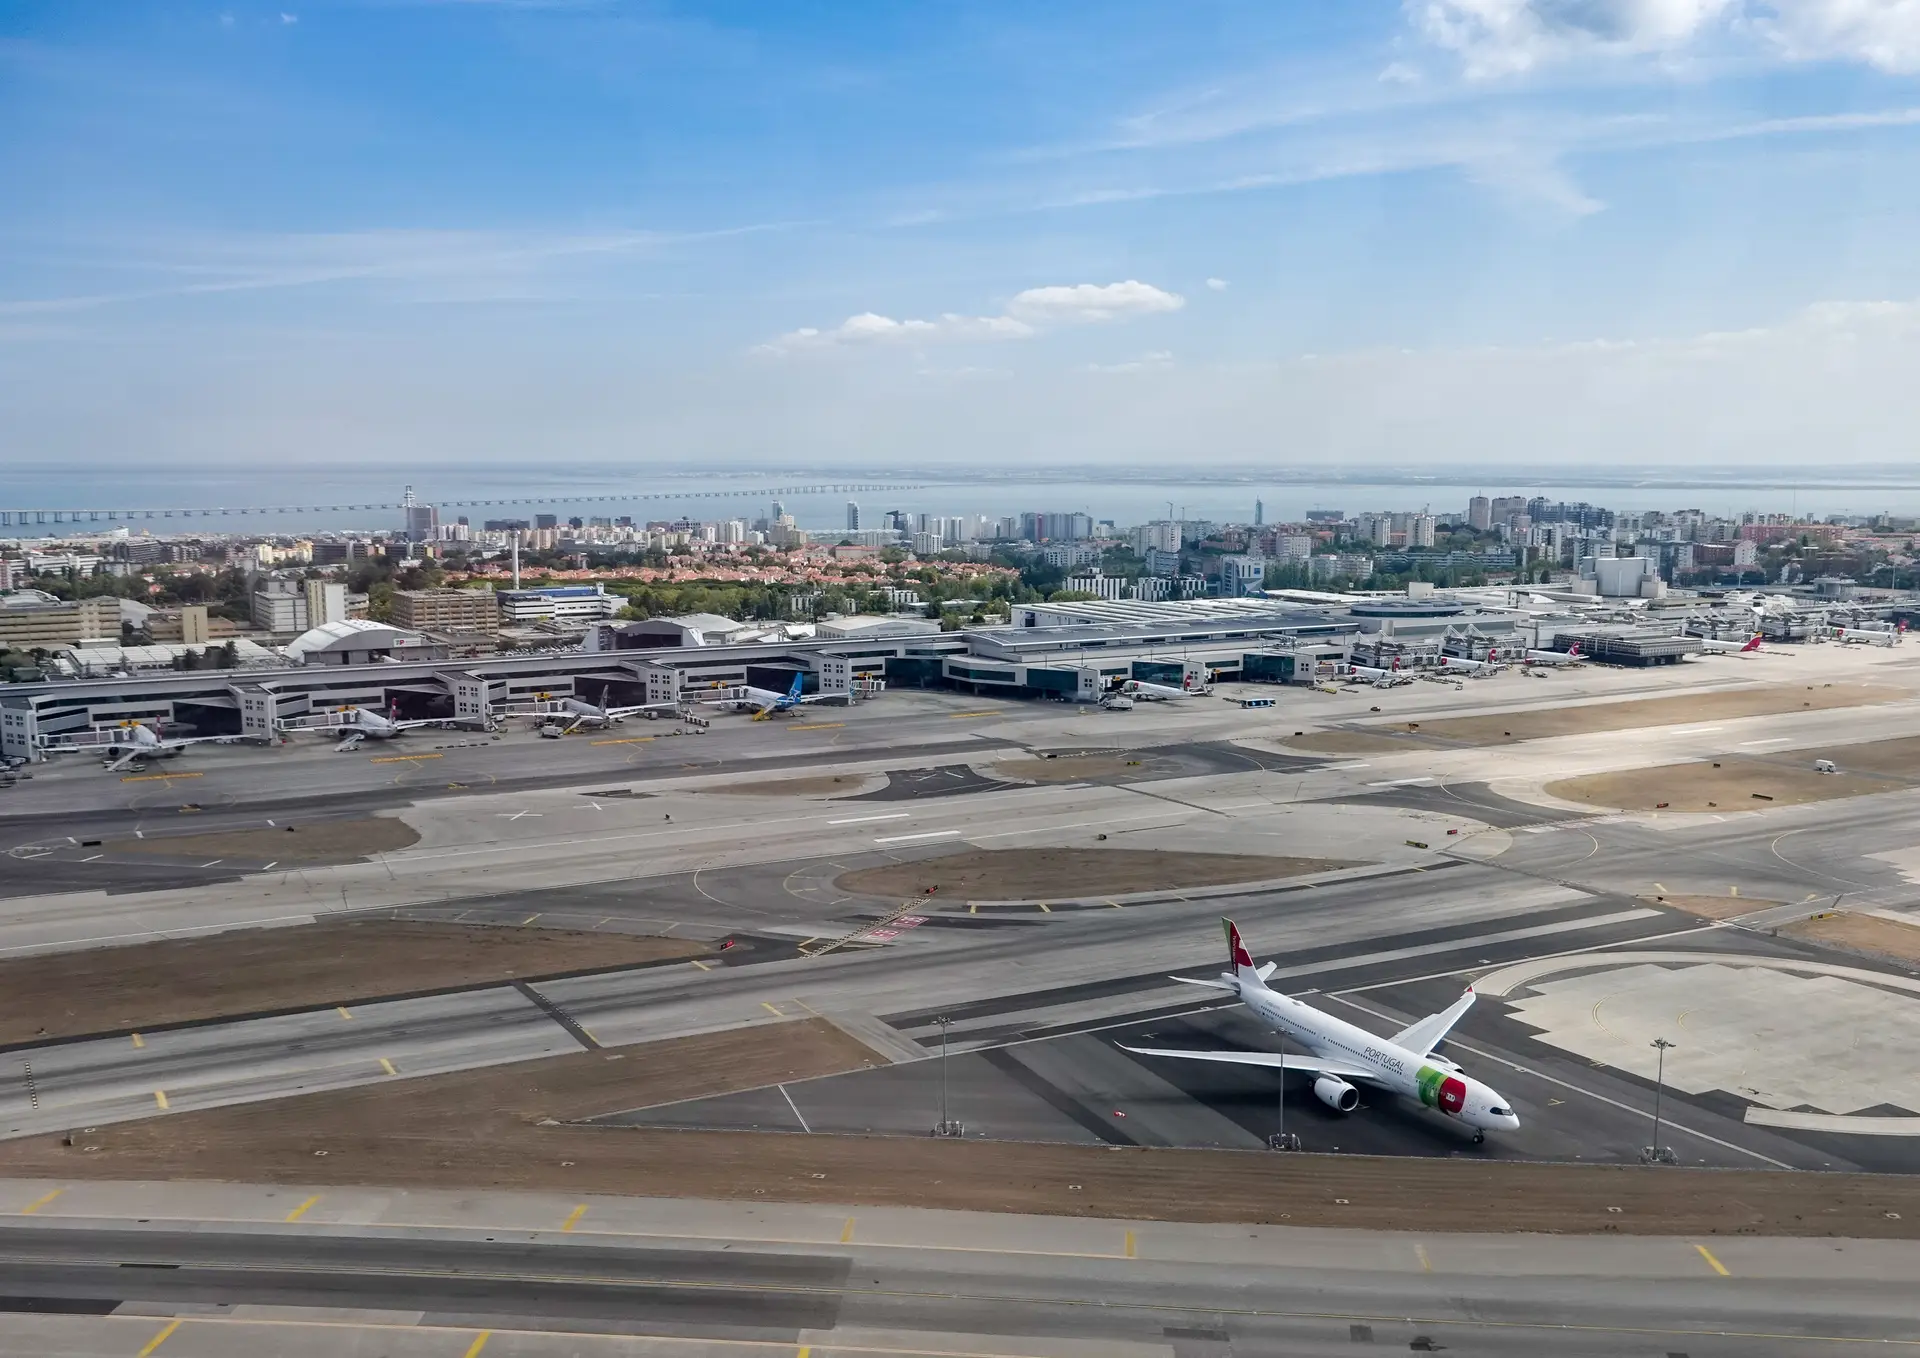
x: 1073, y: 652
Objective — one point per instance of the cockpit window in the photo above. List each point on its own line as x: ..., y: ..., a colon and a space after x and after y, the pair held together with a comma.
x: 1500, y: 1112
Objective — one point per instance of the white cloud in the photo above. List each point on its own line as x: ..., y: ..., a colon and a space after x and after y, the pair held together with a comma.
x: 1399, y: 73
x: 1217, y: 284
x: 1159, y: 358
x: 1882, y: 33
x: 1090, y: 303
x: 287, y: 18
x: 1510, y: 37
x: 1026, y: 315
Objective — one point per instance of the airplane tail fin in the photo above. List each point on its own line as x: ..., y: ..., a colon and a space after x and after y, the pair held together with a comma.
x: 1753, y: 643
x: 1240, y: 959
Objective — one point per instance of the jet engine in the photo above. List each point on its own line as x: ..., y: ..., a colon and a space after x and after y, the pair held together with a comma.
x: 1336, y: 1093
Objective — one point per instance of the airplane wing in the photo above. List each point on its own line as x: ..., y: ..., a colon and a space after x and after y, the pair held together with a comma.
x: 1431, y: 1031
x: 1272, y: 1060
x: 125, y: 759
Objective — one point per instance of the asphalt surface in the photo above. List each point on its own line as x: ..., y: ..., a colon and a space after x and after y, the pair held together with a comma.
x: 546, y: 1294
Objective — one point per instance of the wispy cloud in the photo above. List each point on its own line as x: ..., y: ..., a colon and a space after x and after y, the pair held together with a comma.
x: 209, y: 266
x: 1028, y: 314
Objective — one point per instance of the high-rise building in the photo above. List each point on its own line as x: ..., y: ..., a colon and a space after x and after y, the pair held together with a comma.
x: 1259, y: 513
x: 1420, y: 531
x: 1480, y: 514
x: 447, y: 610
x: 422, y: 522
x: 853, y: 517
x: 326, y: 602
x: 548, y: 521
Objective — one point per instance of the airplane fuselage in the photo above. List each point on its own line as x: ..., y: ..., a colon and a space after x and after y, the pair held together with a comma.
x: 1433, y: 1081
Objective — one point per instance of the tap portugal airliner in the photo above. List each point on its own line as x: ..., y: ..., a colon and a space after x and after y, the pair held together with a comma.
x: 1338, y: 1053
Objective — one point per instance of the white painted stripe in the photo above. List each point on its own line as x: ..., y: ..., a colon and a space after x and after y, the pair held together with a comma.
x: 1756, y: 1116
x: 1463, y: 944
x: 926, y: 834
x: 1401, y: 782
x: 1343, y: 768
x: 1777, y: 740
x: 862, y: 820
x: 1696, y: 730
x: 94, y: 858
x: 796, y: 1111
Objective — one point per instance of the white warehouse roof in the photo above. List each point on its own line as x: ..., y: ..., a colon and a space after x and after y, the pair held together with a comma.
x: 351, y: 634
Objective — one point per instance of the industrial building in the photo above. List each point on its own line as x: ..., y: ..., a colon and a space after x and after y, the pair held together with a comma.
x: 471, y: 611
x: 567, y: 605
x: 32, y: 619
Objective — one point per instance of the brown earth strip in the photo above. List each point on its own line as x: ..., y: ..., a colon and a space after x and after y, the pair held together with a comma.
x: 321, y: 841
x: 1873, y: 935
x: 1715, y: 907
x: 1729, y: 786
x: 247, y: 970
x: 824, y: 785
x: 1037, y: 874
x: 482, y: 1130
x: 1504, y: 729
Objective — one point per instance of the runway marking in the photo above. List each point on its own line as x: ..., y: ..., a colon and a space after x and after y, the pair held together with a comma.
x: 1045, y: 909
x: 400, y: 758
x: 517, y: 815
x: 1346, y: 768
x: 214, y: 864
x: 97, y: 857
x: 342, y: 1010
x: 1712, y: 1262
x: 1695, y: 730
x: 155, y: 777
x: 1131, y: 1254
x: 796, y: 1111
x: 573, y: 1217
x: 957, y: 716
x: 479, y: 1342
x: 138, y: 1040
x: 1777, y: 740
x: 531, y: 918
x: 771, y: 1010
x: 160, y: 1098
x: 819, y: 726
x: 302, y: 1209
x: 40, y: 1202
x: 625, y: 740
x: 1115, y: 904
x: 271, y: 866
x: 846, y: 1232
x: 1580, y: 1089
x: 704, y: 966
x: 387, y: 1066
x: 1084, y: 824
x: 1420, y: 1253
x: 925, y: 834
x: 158, y: 1339
x: 1402, y: 782
x: 1660, y: 888
x: 862, y: 820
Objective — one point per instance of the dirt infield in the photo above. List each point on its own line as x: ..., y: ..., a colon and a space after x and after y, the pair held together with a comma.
x: 482, y: 1129
x: 823, y: 785
x: 1870, y: 934
x: 1897, y: 758
x: 1542, y: 723
x: 1734, y: 784
x: 321, y: 841
x: 249, y: 970
x: 1037, y: 874
x: 1715, y: 907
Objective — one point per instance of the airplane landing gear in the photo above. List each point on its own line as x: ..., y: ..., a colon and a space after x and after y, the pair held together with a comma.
x: 1479, y: 1138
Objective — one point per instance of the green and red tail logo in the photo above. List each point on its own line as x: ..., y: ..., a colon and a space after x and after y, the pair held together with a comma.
x: 1438, y: 1089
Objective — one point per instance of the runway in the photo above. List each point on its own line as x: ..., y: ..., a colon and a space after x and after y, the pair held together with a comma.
x: 229, y: 1270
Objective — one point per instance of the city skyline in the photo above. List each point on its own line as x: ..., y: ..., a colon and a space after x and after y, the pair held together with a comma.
x: 1490, y: 230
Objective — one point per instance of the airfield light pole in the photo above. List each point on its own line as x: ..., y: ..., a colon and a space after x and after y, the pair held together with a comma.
x: 947, y: 1126
x: 1280, y: 1140
x: 1657, y: 1154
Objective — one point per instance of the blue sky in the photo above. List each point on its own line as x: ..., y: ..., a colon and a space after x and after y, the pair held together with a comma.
x: 1641, y: 231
